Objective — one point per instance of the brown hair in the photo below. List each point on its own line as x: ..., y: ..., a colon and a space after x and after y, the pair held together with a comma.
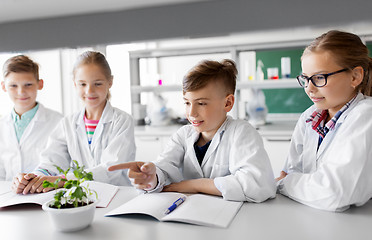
x: 208, y: 71
x: 21, y: 64
x: 349, y: 52
x: 97, y: 58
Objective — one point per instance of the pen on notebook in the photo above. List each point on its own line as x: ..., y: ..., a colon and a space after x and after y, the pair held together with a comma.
x: 175, y: 204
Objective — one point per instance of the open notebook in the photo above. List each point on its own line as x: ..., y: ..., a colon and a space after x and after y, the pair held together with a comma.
x: 197, y: 209
x: 7, y: 198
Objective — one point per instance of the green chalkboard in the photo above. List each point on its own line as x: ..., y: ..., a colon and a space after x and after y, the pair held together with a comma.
x: 284, y: 100
x: 369, y: 46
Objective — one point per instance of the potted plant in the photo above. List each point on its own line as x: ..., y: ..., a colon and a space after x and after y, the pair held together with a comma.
x: 73, y: 206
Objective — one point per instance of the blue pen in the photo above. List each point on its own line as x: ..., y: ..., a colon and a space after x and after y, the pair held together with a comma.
x: 175, y: 204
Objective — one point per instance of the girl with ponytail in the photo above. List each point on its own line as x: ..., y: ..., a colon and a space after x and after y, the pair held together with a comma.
x: 329, y: 164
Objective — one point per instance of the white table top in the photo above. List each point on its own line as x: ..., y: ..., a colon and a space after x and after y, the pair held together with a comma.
x: 276, y: 219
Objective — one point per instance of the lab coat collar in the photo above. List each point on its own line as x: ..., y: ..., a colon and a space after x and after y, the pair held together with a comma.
x: 212, y: 147
x: 216, y: 140
x: 191, y: 152
x: 40, y: 115
x: 343, y: 116
x: 107, y: 116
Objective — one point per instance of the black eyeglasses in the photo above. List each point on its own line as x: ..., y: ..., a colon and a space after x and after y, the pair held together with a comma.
x: 318, y: 80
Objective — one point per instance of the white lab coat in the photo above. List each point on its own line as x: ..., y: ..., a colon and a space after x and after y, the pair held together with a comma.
x: 24, y: 156
x: 236, y: 160
x: 112, y: 143
x: 339, y: 174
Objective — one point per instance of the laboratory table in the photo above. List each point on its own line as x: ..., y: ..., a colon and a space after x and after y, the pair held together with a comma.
x: 275, y: 219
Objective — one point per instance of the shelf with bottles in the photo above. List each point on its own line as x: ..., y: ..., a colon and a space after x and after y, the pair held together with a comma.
x: 265, y: 84
x: 269, y: 84
x: 163, y: 88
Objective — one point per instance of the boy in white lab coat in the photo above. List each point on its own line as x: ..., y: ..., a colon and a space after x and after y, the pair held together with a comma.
x: 329, y: 165
x: 23, y: 132
x: 216, y: 154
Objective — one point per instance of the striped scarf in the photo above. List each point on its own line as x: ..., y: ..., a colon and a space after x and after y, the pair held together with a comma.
x: 318, y: 116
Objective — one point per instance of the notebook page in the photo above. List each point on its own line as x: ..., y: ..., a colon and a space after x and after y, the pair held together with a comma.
x: 11, y: 198
x: 5, y: 187
x: 153, y: 204
x: 105, y: 191
x: 205, y: 210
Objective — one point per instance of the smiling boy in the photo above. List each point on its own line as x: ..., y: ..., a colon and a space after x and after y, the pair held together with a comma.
x: 23, y: 132
x: 216, y: 154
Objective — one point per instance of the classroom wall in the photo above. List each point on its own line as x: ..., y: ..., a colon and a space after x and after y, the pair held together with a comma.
x: 200, y: 19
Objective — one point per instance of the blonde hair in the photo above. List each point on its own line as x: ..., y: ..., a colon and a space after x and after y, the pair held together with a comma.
x: 208, y: 71
x: 349, y: 52
x: 21, y: 64
x: 96, y: 58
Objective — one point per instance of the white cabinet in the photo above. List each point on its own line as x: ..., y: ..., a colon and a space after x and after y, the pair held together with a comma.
x: 148, y: 147
x: 151, y: 141
x: 277, y: 148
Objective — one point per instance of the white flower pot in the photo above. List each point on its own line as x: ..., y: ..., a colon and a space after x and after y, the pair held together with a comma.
x: 71, y: 219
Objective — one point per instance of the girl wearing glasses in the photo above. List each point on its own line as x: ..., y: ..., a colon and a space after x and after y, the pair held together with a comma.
x: 329, y: 165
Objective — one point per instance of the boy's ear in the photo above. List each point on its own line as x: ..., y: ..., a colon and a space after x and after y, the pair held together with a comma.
x: 111, y: 81
x: 229, y: 102
x: 40, y: 84
x: 357, y: 74
x: 3, y: 86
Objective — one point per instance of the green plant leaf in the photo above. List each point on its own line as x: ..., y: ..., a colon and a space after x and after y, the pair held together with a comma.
x: 78, y: 193
x: 47, y: 184
x: 75, y: 192
x: 60, y: 170
x: 89, y: 176
x: 68, y: 184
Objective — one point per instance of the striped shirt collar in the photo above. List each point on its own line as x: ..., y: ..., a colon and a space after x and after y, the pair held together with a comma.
x: 317, y: 119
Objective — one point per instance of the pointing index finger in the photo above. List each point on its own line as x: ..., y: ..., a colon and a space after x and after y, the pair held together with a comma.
x: 128, y: 165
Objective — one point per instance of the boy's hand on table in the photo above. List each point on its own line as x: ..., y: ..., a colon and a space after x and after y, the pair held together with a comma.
x: 282, y: 175
x: 36, y: 184
x: 21, y: 180
x: 141, y: 174
x: 201, y: 185
x: 187, y: 186
x: 30, y: 183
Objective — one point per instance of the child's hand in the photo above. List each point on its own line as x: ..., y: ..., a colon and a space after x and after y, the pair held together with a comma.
x: 200, y: 185
x: 20, y: 181
x: 36, y: 184
x: 141, y: 174
x: 282, y: 175
x: 187, y: 186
